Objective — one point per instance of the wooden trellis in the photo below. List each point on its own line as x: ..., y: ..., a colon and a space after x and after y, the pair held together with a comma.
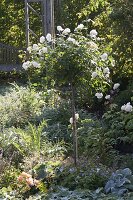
x: 47, y: 17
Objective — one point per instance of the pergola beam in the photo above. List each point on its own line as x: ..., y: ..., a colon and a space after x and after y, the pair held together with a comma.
x: 47, y: 17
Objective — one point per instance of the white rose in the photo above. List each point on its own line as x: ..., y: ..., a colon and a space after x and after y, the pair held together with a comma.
x: 44, y: 49
x: 36, y: 64
x: 116, y: 85
x: 94, y: 74
x: 59, y: 28
x: 42, y: 39
x: 66, y: 31
x: 128, y: 107
x: 76, y: 116
x: 107, y: 97
x: 35, y: 47
x: 71, y: 120
x: 106, y: 70
x: 79, y: 27
x: 26, y: 65
x: 123, y: 107
x: 99, y: 95
x: 29, y: 49
x: 93, y: 33
x: 49, y: 37
x: 104, y: 56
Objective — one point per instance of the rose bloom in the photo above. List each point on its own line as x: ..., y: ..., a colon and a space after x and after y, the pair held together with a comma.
x: 94, y: 74
x: 59, y: 28
x: 49, y: 37
x: 104, y: 56
x: 42, y: 39
x: 99, y: 95
x: 116, y: 85
x: 66, y: 31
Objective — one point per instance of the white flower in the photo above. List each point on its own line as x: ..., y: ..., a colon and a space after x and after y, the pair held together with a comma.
x: 42, y: 39
x: 106, y: 70
x: 44, y: 49
x: 128, y: 107
x: 66, y: 31
x: 99, y: 95
x: 94, y: 74
x: 89, y: 20
x: 79, y: 27
x: 116, y: 85
x: 92, y: 45
x: 49, y: 37
x: 72, y: 40
x: 26, y: 65
x: 107, y: 97
x: 123, y: 107
x: 104, y: 56
x: 35, y: 47
x: 71, y: 120
x: 29, y: 49
x: 76, y: 116
x: 36, y: 64
x: 93, y: 33
x: 59, y: 28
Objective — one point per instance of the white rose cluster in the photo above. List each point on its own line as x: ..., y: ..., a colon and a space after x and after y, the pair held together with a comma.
x: 76, y: 117
x: 127, y: 107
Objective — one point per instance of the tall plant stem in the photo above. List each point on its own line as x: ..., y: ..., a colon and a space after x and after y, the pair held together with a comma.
x: 75, y: 140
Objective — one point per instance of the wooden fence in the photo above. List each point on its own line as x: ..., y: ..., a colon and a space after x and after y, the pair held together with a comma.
x: 9, y: 55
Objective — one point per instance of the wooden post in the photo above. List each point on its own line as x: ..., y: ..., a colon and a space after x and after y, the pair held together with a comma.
x: 27, y: 22
x: 75, y: 139
x: 48, y: 17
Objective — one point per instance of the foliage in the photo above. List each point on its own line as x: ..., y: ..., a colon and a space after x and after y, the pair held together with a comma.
x: 19, y: 106
x: 120, y: 182
x: 118, y: 128
x: 84, y: 176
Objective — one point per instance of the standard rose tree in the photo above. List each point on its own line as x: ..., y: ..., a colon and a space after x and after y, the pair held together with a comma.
x: 72, y: 60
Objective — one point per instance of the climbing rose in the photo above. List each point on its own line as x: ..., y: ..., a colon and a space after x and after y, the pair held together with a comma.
x: 94, y: 74
x: 59, y: 28
x: 49, y: 37
x: 42, y: 39
x: 104, y: 56
x: 66, y: 31
x: 99, y: 95
x: 93, y: 33
x: 107, y: 97
x: 116, y: 85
